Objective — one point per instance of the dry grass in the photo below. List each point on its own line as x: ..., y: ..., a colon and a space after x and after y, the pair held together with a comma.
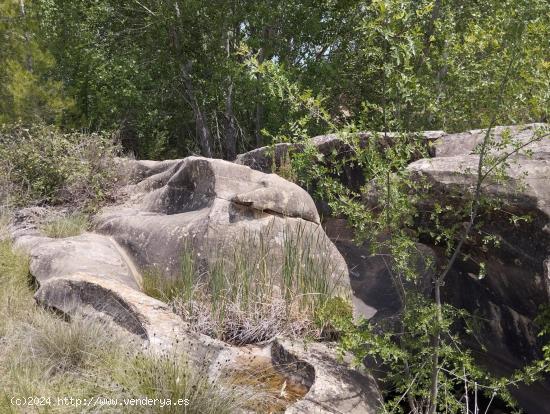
x: 15, y: 296
x: 255, y: 290
x: 67, y: 226
x: 44, y: 355
x: 234, y: 325
x: 170, y: 376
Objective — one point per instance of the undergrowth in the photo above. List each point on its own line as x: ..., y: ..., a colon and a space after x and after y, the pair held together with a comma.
x: 254, y: 289
x: 42, y: 165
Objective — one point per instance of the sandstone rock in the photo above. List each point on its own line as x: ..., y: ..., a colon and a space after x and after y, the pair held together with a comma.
x: 328, y: 386
x: 526, y: 186
x: 126, y: 308
x: 88, y: 253
x: 269, y: 158
x: 509, y: 297
x: 464, y: 143
x: 337, y: 388
x: 209, y: 206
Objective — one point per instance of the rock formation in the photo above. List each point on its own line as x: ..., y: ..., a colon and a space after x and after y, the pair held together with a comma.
x: 517, y: 283
x: 200, y: 204
x: 208, y: 205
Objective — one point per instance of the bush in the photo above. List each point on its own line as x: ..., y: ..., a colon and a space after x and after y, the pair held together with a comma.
x: 43, y: 165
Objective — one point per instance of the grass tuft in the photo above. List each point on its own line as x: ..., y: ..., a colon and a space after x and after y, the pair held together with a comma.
x: 181, y: 286
x: 170, y: 376
x: 15, y: 295
x: 255, y: 289
x: 69, y: 226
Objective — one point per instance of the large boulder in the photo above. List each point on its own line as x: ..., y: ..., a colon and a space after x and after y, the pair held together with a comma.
x: 517, y: 284
x: 335, y: 149
x: 337, y: 388
x: 465, y: 143
x: 210, y: 206
x: 517, y: 281
x: 526, y: 180
x: 269, y: 158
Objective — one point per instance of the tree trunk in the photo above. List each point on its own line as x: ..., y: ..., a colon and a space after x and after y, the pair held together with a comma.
x: 436, y: 343
x: 259, y: 112
x: 230, y: 128
x: 230, y: 125
x: 201, y: 122
x: 23, y: 14
x: 203, y: 133
x: 258, y: 122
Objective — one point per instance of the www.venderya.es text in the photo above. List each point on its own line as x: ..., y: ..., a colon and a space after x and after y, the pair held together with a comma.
x: 97, y: 402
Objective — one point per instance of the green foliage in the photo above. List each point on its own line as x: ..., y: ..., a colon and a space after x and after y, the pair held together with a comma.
x: 27, y: 92
x: 151, y: 68
x: 44, y: 165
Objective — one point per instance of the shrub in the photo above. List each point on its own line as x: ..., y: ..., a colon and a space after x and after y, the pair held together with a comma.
x: 43, y: 165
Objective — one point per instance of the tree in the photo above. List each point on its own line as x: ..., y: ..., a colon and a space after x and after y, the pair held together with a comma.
x: 172, y: 75
x: 27, y: 91
x: 425, y: 361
